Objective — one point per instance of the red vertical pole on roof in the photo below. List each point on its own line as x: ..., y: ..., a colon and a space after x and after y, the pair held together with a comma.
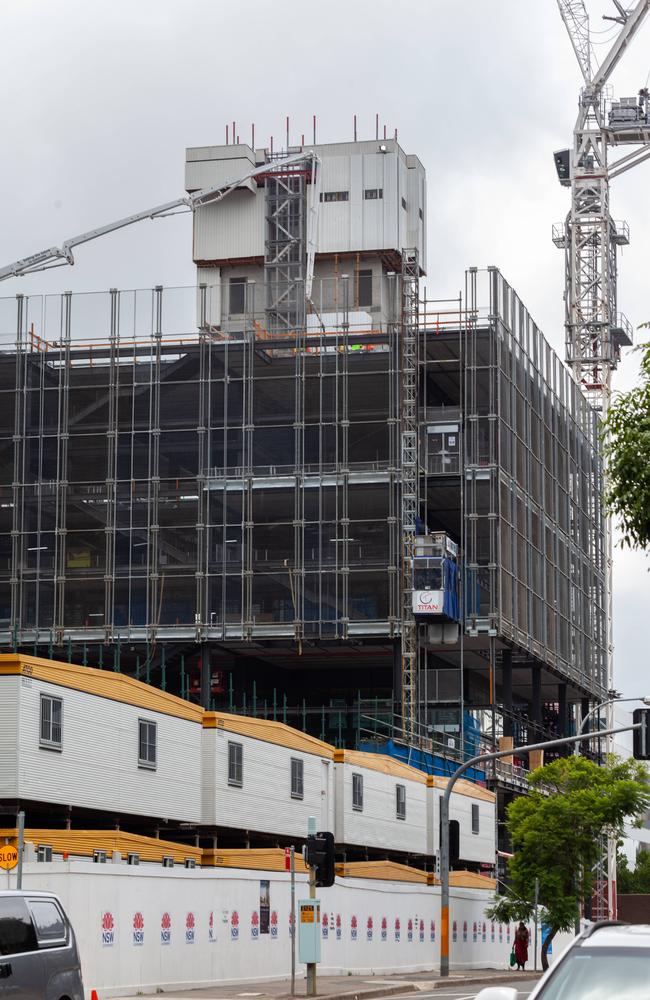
x: 226, y: 135
x: 314, y: 130
x: 377, y: 126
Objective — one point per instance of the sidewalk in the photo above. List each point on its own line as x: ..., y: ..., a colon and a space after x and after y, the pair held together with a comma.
x: 350, y: 987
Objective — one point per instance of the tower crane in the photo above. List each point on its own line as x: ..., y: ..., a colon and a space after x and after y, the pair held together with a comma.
x: 595, y: 330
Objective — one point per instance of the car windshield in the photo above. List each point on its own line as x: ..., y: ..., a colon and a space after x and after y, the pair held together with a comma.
x: 601, y: 974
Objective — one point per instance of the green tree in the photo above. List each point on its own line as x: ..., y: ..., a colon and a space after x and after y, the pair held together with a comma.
x: 638, y: 878
x: 555, y: 831
x: 626, y: 439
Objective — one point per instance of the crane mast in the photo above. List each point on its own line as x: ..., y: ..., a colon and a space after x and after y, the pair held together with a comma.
x: 595, y: 330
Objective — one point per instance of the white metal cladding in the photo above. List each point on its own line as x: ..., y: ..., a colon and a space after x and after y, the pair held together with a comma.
x: 264, y: 801
x: 476, y: 847
x: 231, y: 228
x: 97, y: 767
x: 377, y: 824
x: 212, y: 170
x: 9, y: 706
x: 235, y: 227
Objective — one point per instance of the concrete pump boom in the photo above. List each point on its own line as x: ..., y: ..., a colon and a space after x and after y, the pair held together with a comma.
x: 59, y: 256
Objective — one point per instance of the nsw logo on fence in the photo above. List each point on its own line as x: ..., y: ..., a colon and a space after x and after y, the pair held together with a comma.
x: 326, y: 926
x: 138, y: 929
x: 353, y: 928
x: 212, y: 935
x: 108, y: 929
x: 409, y: 930
x: 190, y: 928
x: 166, y: 928
x: 234, y: 926
x: 384, y: 929
x: 339, y: 929
x: 274, y: 923
x: 422, y: 931
x: 433, y: 932
x: 398, y: 931
x: 369, y: 929
x: 255, y: 925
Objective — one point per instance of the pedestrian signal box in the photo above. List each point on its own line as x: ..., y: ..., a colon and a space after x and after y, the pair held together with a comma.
x: 309, y: 932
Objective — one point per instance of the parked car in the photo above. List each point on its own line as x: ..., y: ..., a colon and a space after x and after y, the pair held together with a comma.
x: 608, y: 961
x: 38, y: 951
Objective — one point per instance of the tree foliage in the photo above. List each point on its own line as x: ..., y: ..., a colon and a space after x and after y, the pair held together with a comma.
x: 636, y: 879
x: 555, y: 831
x: 626, y: 429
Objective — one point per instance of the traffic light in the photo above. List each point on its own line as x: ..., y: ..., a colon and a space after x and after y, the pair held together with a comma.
x: 319, y: 854
x: 641, y: 737
x: 454, y: 840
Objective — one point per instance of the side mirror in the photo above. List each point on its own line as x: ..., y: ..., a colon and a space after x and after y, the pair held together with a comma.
x: 498, y: 993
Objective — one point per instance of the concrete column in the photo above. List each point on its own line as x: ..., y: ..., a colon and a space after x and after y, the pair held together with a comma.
x: 206, y: 674
x: 506, y: 690
x: 563, y: 721
x: 536, y: 704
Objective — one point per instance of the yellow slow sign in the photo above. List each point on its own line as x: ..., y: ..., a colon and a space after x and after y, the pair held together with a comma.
x: 8, y: 856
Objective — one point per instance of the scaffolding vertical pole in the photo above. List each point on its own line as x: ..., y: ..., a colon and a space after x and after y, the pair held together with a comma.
x: 111, y: 469
x: 202, y: 617
x: 410, y: 485
x: 155, y: 594
x: 62, y: 466
x: 17, y: 533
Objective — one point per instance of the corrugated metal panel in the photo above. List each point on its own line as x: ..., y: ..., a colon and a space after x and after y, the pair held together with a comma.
x: 102, y: 683
x: 82, y: 843
x: 9, y: 703
x: 264, y: 801
x: 390, y: 871
x: 202, y: 174
x: 231, y: 229
x: 97, y: 767
x: 377, y: 824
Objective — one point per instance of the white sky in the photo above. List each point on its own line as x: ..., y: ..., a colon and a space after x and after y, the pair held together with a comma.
x: 102, y: 97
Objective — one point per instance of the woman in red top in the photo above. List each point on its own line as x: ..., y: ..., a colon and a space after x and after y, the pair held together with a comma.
x: 521, y: 945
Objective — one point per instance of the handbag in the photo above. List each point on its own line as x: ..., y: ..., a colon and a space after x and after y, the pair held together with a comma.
x: 513, y: 958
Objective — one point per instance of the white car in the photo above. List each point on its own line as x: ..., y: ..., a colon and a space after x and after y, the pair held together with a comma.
x: 608, y: 961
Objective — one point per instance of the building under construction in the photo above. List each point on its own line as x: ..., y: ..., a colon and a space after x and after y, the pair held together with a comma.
x: 299, y: 490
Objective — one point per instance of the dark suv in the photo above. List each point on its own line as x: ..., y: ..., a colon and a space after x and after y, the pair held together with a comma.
x: 38, y: 952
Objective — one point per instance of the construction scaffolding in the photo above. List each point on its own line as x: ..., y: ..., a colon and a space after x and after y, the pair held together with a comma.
x: 171, y: 488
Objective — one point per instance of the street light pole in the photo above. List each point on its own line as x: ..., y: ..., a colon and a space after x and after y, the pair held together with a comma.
x: 444, y: 821
x: 604, y: 704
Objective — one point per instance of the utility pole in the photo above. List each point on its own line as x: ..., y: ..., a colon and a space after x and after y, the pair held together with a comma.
x: 444, y: 821
x: 21, y: 849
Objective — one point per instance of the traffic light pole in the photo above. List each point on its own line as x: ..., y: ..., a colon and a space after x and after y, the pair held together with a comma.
x: 293, y: 920
x: 444, y: 820
x: 311, y: 966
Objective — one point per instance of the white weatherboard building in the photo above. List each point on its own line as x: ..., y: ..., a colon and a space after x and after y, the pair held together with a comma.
x: 84, y: 748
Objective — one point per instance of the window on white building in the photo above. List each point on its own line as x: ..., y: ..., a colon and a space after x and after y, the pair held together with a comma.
x: 357, y: 792
x: 297, y: 778
x: 475, y: 818
x: 51, y: 722
x: 235, y: 764
x: 400, y: 801
x: 147, y: 738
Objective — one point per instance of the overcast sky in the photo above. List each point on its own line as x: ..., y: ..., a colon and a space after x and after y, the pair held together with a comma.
x: 101, y: 99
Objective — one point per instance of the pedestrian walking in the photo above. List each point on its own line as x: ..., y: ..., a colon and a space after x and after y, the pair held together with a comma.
x: 521, y: 946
